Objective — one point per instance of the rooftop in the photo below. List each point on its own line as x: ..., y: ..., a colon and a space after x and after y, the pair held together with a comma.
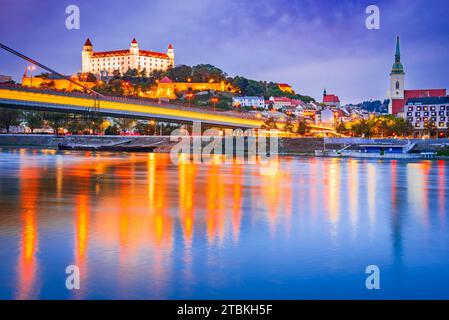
x: 428, y: 100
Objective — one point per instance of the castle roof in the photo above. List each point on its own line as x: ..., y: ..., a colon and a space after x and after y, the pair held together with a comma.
x: 134, y: 41
x: 166, y: 80
x: 170, y: 46
x: 125, y: 52
x: 284, y: 85
x: 88, y: 43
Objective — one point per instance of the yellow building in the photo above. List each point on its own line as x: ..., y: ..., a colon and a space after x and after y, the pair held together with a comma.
x: 59, y: 84
x: 286, y: 88
x: 166, y: 88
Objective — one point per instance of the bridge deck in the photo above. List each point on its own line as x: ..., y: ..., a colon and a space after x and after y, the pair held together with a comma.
x: 120, y: 107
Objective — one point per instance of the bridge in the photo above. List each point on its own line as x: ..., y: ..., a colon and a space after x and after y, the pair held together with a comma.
x: 120, y: 107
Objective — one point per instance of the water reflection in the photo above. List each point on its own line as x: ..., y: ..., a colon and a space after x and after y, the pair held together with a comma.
x: 141, y: 227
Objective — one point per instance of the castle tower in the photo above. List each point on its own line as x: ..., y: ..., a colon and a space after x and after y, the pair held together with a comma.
x: 171, y: 52
x: 134, y: 51
x: 86, y: 56
x: 397, y: 79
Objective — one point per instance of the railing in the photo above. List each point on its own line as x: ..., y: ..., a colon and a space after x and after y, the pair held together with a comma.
x: 140, y: 101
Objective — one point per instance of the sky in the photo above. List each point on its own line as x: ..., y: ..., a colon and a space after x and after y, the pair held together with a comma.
x: 309, y: 44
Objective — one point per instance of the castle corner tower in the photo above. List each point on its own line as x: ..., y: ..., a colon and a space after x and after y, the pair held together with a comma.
x: 171, y: 52
x: 86, y: 55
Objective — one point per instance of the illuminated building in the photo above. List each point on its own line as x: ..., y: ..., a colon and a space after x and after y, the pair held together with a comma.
x: 122, y: 60
x: 285, y: 88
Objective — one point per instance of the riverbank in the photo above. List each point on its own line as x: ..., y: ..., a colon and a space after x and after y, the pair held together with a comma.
x: 287, y: 146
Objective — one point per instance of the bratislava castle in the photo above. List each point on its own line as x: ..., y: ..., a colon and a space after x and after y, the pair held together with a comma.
x: 133, y: 58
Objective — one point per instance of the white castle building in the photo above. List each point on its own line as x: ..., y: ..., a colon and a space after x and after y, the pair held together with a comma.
x: 105, y: 62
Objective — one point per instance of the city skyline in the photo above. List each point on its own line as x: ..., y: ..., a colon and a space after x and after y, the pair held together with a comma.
x: 341, y: 56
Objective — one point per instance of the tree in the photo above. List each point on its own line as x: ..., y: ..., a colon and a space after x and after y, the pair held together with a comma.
x: 341, y: 128
x: 8, y: 118
x: 113, y: 130
x: 33, y: 119
x: 303, y: 128
x: 146, y: 128
x: 269, y: 123
x: 288, y: 125
x: 126, y: 124
x: 430, y: 128
x: 57, y: 121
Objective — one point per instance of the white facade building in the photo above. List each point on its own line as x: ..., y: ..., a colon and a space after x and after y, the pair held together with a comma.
x: 257, y: 102
x: 419, y: 111
x: 122, y: 60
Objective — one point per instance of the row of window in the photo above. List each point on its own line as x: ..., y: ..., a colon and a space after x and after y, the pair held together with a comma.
x: 439, y: 124
x: 427, y: 114
x: 427, y: 108
x: 425, y: 119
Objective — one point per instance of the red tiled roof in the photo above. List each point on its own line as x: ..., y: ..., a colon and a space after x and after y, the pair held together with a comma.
x: 126, y: 52
x: 331, y: 98
x: 170, y: 46
x: 134, y: 40
x: 281, y: 99
x: 102, y: 54
x: 88, y: 43
x: 284, y: 85
x: 146, y: 53
x: 422, y: 93
x: 166, y: 80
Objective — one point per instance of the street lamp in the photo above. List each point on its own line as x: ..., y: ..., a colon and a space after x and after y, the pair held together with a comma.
x: 214, y: 100
x: 189, y: 96
x: 30, y: 69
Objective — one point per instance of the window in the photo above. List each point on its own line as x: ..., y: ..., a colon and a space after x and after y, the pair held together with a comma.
x: 432, y: 108
x: 441, y: 124
x: 410, y: 108
x: 443, y: 119
x: 397, y: 85
x: 417, y: 124
x: 418, y: 108
x: 426, y: 114
x: 425, y: 108
x: 417, y: 114
x: 434, y: 114
x: 409, y: 114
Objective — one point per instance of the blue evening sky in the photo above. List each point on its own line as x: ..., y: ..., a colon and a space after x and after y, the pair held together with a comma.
x: 310, y: 44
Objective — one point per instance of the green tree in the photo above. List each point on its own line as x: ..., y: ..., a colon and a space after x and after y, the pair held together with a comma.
x: 288, y: 126
x: 57, y: 121
x: 33, y: 119
x: 8, y: 118
x: 146, y: 128
x: 126, y: 124
x: 113, y: 130
x: 269, y: 124
x: 430, y: 128
x: 303, y: 128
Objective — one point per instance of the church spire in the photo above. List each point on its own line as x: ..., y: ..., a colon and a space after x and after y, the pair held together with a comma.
x: 398, y: 68
x: 398, y: 51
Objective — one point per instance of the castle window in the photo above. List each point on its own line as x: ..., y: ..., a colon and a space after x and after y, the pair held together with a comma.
x: 397, y: 85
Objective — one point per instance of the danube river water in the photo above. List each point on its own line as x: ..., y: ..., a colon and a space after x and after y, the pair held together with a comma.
x: 139, y: 227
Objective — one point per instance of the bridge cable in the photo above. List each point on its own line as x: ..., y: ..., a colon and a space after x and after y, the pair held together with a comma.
x: 34, y: 62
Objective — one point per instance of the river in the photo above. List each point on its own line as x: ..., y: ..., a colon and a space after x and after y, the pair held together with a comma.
x: 139, y: 227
